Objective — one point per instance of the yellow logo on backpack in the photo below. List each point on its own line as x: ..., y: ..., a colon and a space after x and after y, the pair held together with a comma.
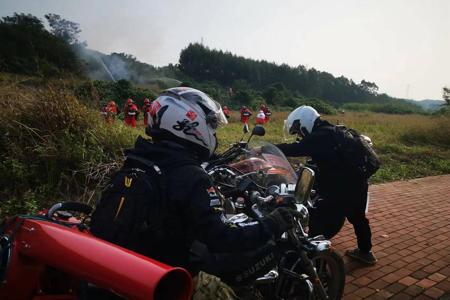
x: 128, y: 181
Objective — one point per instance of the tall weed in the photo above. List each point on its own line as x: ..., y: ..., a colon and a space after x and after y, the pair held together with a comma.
x: 53, y: 148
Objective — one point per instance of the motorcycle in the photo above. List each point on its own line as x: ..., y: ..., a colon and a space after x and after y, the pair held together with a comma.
x: 52, y: 255
x: 253, y: 180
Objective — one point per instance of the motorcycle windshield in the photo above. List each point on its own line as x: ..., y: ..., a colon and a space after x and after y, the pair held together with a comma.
x: 268, y: 163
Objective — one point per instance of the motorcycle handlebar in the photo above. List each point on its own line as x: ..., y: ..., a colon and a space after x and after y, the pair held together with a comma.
x: 255, y: 198
x: 70, y: 205
x: 230, y: 154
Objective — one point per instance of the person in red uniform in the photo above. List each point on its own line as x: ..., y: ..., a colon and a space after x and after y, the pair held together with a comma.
x: 131, y: 113
x: 245, y: 114
x: 260, y: 118
x: 125, y: 106
x: 113, y: 106
x: 226, y: 111
x: 104, y: 112
x: 266, y: 112
x: 110, y: 112
x: 146, y: 110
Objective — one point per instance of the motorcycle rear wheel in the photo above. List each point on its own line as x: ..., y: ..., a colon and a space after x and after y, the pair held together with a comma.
x: 330, y: 269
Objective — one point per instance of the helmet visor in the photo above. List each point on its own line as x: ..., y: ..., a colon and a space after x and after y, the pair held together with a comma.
x: 217, y: 118
x: 290, y: 129
x: 212, y: 109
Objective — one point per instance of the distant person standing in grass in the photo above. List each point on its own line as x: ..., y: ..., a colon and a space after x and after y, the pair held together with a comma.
x: 131, y: 113
x: 344, y: 190
x: 260, y: 118
x: 146, y: 110
x: 245, y: 114
x: 266, y: 111
x: 111, y: 111
x: 226, y: 112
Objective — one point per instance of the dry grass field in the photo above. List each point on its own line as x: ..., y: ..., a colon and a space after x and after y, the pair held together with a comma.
x: 53, y: 147
x: 410, y: 146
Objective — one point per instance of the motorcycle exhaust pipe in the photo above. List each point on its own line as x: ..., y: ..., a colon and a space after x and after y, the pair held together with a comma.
x: 38, y: 244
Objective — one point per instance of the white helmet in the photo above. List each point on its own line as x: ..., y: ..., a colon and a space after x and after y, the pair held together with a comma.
x: 188, y: 116
x: 301, y: 120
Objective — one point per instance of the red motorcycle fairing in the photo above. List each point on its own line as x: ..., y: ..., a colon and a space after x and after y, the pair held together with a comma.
x: 40, y: 247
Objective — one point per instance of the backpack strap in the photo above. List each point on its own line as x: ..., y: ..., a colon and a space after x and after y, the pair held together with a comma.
x: 337, y: 135
x: 165, y: 165
x: 334, y: 133
x: 146, y: 162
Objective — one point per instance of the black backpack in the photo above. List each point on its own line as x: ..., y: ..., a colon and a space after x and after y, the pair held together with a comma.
x: 130, y: 208
x: 356, y: 154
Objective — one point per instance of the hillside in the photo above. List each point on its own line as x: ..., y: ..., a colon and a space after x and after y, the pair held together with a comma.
x: 27, y: 47
x: 236, y: 81
x: 121, y: 66
x: 428, y: 104
x: 230, y: 79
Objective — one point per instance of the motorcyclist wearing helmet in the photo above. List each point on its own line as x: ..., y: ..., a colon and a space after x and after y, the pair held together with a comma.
x: 343, y: 192
x: 182, y: 124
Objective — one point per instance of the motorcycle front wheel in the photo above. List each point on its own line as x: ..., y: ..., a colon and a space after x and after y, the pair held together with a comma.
x: 330, y: 269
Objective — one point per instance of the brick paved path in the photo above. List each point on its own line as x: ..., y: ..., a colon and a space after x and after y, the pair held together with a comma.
x: 410, y: 223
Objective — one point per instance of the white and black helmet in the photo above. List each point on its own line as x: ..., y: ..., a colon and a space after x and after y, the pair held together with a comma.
x: 188, y: 116
x: 301, y: 120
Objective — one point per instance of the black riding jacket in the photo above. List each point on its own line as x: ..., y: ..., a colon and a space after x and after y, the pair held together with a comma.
x: 333, y: 179
x: 192, y: 209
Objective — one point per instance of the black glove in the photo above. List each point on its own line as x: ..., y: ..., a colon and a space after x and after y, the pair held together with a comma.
x: 281, y: 219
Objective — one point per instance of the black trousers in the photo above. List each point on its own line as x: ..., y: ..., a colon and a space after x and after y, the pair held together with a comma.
x: 354, y: 210
x: 343, y: 201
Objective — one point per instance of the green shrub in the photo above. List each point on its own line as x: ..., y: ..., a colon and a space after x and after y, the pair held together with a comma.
x: 320, y: 105
x: 28, y: 48
x: 53, y: 148
x: 98, y: 92
x: 393, y: 107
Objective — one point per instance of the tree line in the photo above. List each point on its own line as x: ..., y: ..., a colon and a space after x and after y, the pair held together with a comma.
x: 27, y: 47
x: 202, y: 63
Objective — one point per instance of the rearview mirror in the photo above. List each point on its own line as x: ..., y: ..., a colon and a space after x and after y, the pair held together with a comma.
x: 258, y: 130
x: 304, y: 185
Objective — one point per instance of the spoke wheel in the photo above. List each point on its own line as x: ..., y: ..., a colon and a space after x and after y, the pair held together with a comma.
x: 330, y: 269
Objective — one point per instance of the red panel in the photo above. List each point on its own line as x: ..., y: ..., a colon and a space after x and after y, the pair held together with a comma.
x: 83, y: 256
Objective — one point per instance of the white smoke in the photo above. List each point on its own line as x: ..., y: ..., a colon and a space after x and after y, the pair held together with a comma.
x: 118, y: 66
x: 106, y: 68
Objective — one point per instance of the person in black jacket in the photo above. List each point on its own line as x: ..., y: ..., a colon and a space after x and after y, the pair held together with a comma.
x: 182, y: 124
x: 343, y: 192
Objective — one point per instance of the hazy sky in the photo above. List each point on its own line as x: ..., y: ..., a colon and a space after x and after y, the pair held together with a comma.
x: 401, y: 45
